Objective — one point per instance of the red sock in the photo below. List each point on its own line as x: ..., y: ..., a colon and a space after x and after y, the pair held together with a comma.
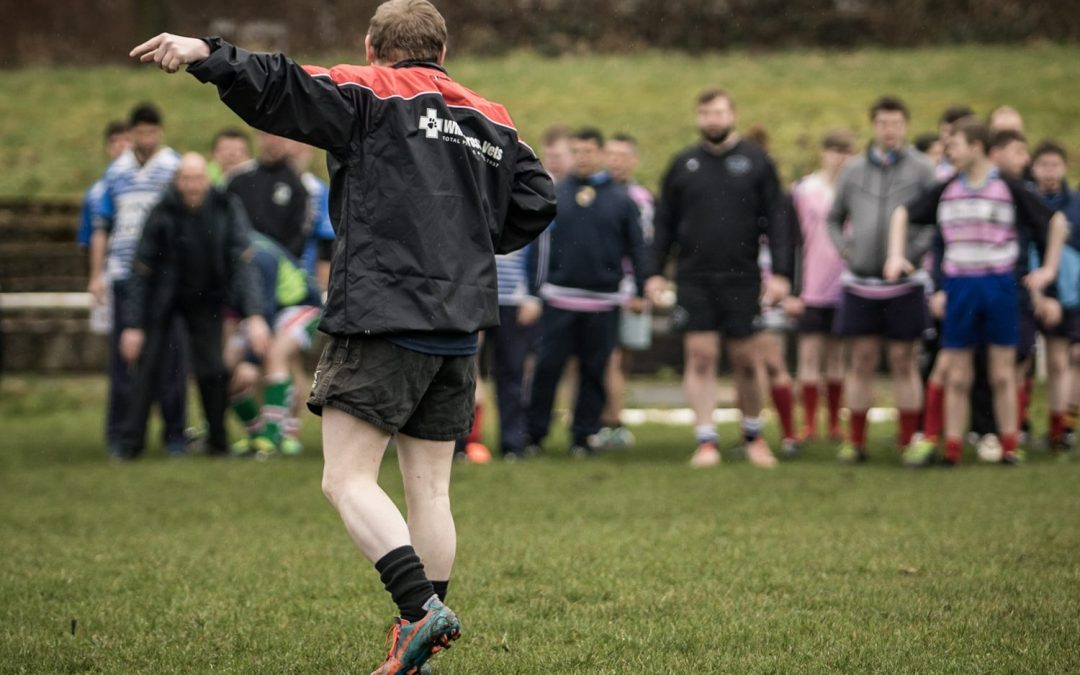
x: 935, y: 411
x: 808, y: 392
x: 835, y: 390
x: 1057, y: 426
x: 909, y: 424
x: 858, y: 428
x: 1008, y: 444
x: 474, y: 435
x: 1023, y: 395
x: 782, y: 399
x: 954, y: 449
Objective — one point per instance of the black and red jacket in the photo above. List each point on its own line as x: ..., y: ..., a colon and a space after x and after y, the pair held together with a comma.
x: 428, y: 181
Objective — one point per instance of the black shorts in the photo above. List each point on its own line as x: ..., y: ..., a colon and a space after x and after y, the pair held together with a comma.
x: 1069, y: 327
x: 818, y: 320
x: 903, y: 318
x: 396, y: 389
x: 733, y: 310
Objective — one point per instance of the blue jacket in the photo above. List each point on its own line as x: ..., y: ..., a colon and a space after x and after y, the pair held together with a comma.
x: 1068, y: 283
x: 596, y: 227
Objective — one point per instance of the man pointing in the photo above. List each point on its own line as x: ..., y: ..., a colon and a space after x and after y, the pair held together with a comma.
x: 428, y: 182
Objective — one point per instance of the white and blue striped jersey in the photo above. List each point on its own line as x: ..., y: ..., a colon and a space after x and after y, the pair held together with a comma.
x: 131, y: 191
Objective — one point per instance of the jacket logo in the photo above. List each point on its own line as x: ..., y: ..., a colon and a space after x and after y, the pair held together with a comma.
x: 450, y: 131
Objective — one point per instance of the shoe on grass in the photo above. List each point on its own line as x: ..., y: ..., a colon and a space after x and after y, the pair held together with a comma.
x: 413, y: 643
x: 920, y: 453
x: 849, y: 454
x: 790, y: 448
x: 706, y: 455
x: 291, y: 447
x: 1014, y: 458
x: 759, y: 454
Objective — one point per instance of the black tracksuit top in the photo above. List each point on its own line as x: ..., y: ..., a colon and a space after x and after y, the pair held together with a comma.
x: 428, y: 182
x: 714, y: 208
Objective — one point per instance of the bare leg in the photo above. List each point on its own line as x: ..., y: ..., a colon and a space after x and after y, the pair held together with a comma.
x: 699, y: 378
x: 834, y: 359
x: 425, y: 468
x: 1002, y: 369
x: 907, y: 384
x: 744, y: 363
x: 352, y: 452
x: 1057, y: 374
x: 865, y: 357
x: 958, y: 392
x: 811, y: 352
x: 616, y: 383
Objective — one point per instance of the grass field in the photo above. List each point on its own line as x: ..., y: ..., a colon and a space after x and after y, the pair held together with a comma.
x: 631, y: 563
x: 51, y: 118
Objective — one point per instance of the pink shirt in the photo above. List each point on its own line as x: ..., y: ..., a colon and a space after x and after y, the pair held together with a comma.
x: 821, y: 262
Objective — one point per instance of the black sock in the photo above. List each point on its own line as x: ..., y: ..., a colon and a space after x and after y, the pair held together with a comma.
x: 440, y: 589
x: 402, y: 574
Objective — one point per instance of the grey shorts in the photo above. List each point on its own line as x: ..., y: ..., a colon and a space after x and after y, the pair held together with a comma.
x: 397, y: 389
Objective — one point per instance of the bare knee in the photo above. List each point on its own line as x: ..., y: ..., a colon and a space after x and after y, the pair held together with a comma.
x: 902, y: 359
x: 701, y: 362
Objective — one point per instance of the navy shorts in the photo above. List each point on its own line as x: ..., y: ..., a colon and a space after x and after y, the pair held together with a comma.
x: 900, y: 318
x: 1069, y: 327
x: 981, y: 310
x: 818, y: 320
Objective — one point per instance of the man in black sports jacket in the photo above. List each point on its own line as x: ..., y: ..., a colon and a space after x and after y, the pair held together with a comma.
x: 428, y: 182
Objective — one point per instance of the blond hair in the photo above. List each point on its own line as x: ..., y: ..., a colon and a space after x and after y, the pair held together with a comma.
x: 407, y: 30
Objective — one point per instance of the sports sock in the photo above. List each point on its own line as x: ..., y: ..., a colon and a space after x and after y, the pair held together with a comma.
x: 808, y: 393
x: 835, y: 389
x: 752, y: 428
x: 291, y: 427
x: 440, y: 589
x: 705, y: 433
x: 247, y: 409
x: 474, y: 434
x: 954, y: 449
x: 782, y: 399
x: 858, y: 429
x: 276, y: 397
x: 1008, y: 444
x: 1057, y: 426
x: 1070, y: 419
x: 909, y: 424
x: 402, y: 574
x: 935, y: 411
x: 1023, y: 400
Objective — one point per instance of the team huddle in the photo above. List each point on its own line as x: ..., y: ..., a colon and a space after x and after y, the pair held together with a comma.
x: 448, y: 225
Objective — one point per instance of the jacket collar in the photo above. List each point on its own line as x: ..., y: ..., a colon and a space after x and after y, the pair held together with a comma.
x: 416, y: 63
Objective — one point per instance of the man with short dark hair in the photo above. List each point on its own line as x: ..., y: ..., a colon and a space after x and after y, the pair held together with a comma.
x: 874, y: 310
x: 555, y: 151
x: 117, y: 139
x: 718, y: 199
x: 273, y: 195
x: 428, y: 182
x: 230, y: 150
x: 580, y: 260
x: 134, y: 183
x: 984, y: 221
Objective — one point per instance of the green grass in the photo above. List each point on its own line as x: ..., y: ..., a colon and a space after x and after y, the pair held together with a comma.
x: 632, y: 563
x: 50, y: 118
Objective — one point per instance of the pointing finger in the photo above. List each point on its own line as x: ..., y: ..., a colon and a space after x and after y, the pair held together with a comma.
x: 148, y: 46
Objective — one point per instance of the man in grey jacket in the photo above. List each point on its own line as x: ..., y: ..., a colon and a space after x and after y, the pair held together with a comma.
x: 870, y: 188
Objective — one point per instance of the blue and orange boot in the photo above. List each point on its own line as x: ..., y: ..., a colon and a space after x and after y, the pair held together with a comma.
x: 413, y: 643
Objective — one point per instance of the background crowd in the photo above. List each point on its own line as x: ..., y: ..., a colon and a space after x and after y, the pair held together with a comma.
x: 945, y: 256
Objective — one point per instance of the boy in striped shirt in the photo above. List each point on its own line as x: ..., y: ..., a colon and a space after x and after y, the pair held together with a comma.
x: 986, y: 220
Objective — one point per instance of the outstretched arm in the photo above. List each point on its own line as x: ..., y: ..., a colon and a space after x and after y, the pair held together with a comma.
x: 268, y: 91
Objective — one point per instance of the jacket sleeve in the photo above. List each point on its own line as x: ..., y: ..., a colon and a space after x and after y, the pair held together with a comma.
x: 272, y: 93
x: 838, y: 214
x: 923, y: 233
x: 774, y: 207
x: 635, y: 244
x: 532, y: 203
x: 146, y: 267
x: 665, y: 223
x: 797, y: 244
x: 536, y: 265
x: 247, y: 288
